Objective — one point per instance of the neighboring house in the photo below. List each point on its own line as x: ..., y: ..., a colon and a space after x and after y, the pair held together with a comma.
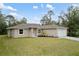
x: 33, y: 30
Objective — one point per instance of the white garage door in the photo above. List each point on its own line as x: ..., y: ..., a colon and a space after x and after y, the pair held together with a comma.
x: 62, y: 32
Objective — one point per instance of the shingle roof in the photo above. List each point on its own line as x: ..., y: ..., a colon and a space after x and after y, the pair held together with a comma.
x: 24, y: 26
x: 51, y: 26
x: 21, y: 26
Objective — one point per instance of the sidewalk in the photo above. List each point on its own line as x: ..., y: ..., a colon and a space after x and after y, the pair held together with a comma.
x: 72, y: 38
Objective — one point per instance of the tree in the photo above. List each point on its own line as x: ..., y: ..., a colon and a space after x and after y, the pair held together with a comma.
x: 3, y: 24
x: 50, y: 13
x: 71, y: 21
x: 46, y: 19
x: 11, y: 20
x: 22, y: 21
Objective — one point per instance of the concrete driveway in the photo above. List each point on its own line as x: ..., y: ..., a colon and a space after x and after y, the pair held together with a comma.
x: 72, y: 38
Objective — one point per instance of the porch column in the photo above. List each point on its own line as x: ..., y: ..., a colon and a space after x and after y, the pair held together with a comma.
x: 31, y: 32
x: 37, y: 32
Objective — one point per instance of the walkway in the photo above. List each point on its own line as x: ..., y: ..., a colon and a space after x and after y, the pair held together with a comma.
x: 72, y: 38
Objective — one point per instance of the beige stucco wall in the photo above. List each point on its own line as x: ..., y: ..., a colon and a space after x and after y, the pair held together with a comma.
x: 15, y: 33
x: 26, y: 33
x: 34, y: 32
x: 10, y: 33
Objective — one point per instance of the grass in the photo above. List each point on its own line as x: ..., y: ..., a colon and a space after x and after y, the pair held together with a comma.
x: 41, y: 46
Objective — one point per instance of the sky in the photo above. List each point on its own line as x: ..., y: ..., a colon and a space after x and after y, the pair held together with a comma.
x: 34, y: 11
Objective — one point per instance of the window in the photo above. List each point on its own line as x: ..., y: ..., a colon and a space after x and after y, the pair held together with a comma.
x: 21, y: 31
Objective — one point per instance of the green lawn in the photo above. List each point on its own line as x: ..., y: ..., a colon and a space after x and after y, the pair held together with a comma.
x: 38, y: 46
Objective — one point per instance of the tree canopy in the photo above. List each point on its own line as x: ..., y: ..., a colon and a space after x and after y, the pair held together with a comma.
x: 47, y: 18
x: 3, y: 24
x: 71, y: 21
x: 8, y: 21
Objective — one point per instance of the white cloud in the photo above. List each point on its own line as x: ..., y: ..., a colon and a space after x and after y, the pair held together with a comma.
x: 49, y: 6
x: 10, y: 8
x: 16, y: 15
x: 34, y: 19
x: 13, y: 14
x: 2, y: 6
x: 35, y: 7
x: 75, y: 5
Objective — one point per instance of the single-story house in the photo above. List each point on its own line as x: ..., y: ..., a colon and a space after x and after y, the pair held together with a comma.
x: 34, y: 30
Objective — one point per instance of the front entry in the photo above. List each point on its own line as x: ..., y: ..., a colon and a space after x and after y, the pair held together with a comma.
x: 34, y: 33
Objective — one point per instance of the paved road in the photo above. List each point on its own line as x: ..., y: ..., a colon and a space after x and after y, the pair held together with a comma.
x: 72, y: 38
